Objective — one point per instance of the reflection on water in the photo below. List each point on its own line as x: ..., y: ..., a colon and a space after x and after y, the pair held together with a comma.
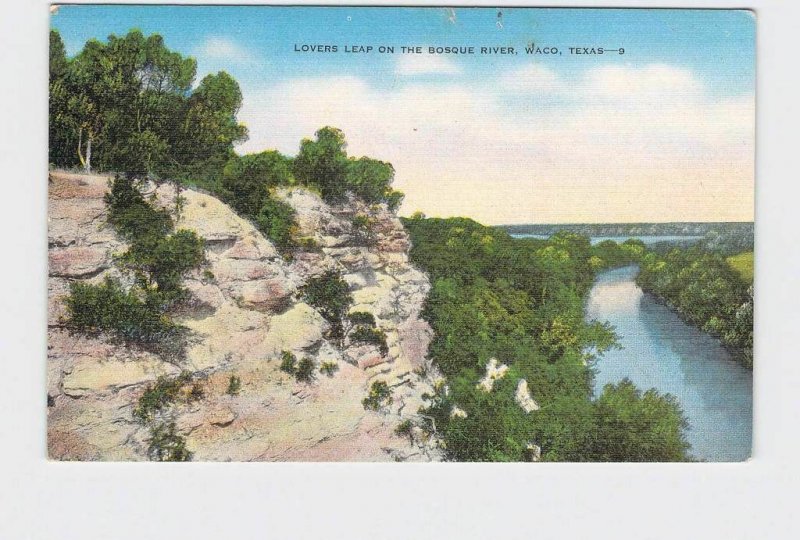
x: 661, y: 351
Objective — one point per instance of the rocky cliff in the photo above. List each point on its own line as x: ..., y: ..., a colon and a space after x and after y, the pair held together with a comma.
x: 244, y: 310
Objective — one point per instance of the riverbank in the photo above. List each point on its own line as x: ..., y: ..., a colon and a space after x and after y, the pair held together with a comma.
x: 660, y: 350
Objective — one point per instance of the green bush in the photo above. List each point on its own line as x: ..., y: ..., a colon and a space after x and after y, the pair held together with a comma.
x: 380, y: 396
x: 632, y: 426
x: 160, y: 395
x: 276, y: 220
x: 330, y: 295
x: 246, y: 180
x: 370, y: 336
x: 123, y: 314
x: 362, y: 318
x: 305, y: 370
x: 234, y: 385
x: 164, y: 261
x: 405, y: 429
x: 329, y: 368
x: 131, y: 215
x: 288, y: 363
x: 165, y: 444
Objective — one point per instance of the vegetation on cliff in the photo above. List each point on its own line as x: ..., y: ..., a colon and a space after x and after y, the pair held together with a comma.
x: 157, y: 257
x: 521, y: 302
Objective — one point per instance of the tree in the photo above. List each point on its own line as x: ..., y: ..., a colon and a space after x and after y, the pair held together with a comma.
x: 632, y: 426
x: 209, y: 129
x: 246, y: 180
x: 323, y: 164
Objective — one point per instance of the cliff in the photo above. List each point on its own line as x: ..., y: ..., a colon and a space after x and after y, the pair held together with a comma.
x: 245, y: 308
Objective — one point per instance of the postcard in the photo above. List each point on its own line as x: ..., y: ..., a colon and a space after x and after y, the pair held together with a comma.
x: 285, y: 233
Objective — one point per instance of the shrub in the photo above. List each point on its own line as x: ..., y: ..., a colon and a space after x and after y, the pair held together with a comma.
x: 276, y: 220
x: 165, y: 444
x: 371, y: 336
x: 380, y: 396
x: 329, y: 368
x: 330, y: 295
x: 362, y: 318
x: 305, y: 370
x: 323, y: 164
x: 234, y: 385
x: 288, y: 363
x: 123, y: 314
x: 158, y: 396
x: 246, y: 180
x: 405, y: 429
x: 132, y: 217
x: 163, y: 261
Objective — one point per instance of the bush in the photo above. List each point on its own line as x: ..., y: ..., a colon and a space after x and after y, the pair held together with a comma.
x: 123, y: 314
x: 163, y: 393
x: 288, y: 363
x: 329, y: 368
x: 165, y: 444
x: 405, y: 429
x: 276, y: 220
x: 131, y: 216
x: 234, y: 385
x: 164, y: 261
x: 246, y: 180
x: 380, y: 396
x: 305, y: 370
x: 330, y: 295
x: 370, y: 336
x: 362, y: 318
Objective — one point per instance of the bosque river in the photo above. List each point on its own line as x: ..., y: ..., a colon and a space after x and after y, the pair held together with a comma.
x: 661, y: 351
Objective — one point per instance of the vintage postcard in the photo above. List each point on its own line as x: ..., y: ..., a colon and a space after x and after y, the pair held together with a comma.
x: 400, y: 234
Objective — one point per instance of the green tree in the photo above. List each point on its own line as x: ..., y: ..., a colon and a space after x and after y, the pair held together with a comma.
x: 246, y: 180
x: 632, y: 426
x: 323, y: 164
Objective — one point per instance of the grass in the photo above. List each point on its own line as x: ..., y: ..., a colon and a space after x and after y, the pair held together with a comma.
x: 743, y: 264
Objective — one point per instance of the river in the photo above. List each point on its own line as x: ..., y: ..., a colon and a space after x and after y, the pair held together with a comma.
x: 647, y: 239
x: 663, y: 352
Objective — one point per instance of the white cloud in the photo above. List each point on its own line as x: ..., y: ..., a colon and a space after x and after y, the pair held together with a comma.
x: 425, y: 64
x: 651, y: 84
x: 462, y: 150
x: 532, y: 78
x: 222, y: 48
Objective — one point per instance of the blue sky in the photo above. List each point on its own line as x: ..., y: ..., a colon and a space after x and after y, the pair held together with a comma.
x: 544, y: 127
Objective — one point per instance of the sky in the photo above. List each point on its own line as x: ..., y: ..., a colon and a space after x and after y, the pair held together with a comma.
x: 663, y: 132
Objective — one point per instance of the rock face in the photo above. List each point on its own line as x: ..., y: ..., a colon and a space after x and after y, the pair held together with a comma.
x: 244, y: 310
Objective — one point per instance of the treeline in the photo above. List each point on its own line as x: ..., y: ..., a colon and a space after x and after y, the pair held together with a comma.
x: 705, y: 290
x: 521, y: 303
x: 128, y: 105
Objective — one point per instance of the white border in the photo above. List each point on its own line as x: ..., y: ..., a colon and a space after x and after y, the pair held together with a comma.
x: 65, y: 501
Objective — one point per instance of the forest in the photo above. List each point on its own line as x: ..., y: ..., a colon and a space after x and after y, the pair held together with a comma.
x: 520, y: 301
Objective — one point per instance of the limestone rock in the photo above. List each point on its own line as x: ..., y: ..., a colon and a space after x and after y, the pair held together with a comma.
x: 494, y: 371
x: 244, y: 309
x: 523, y: 397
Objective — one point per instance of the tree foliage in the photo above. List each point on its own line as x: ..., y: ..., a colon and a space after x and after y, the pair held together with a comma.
x: 521, y: 301
x: 127, y: 105
x: 706, y: 291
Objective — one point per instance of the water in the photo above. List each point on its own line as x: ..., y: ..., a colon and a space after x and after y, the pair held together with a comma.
x: 647, y: 239
x: 662, y: 351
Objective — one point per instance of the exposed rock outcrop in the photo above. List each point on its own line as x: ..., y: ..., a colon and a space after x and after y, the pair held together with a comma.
x: 245, y: 308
